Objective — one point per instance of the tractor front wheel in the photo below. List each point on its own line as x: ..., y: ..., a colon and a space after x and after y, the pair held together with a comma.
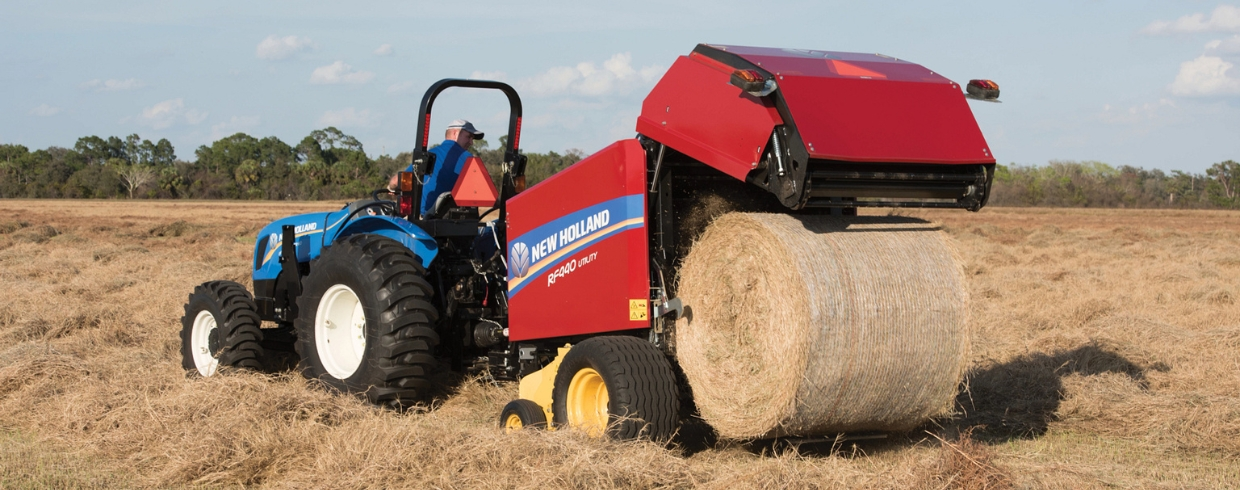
x: 220, y: 328
x: 365, y: 321
x: 621, y: 386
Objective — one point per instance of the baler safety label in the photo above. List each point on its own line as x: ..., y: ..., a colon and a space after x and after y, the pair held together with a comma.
x: 638, y: 310
x: 543, y: 248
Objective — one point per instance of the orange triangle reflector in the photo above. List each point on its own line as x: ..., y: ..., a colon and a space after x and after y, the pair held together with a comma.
x: 474, y: 187
x: 851, y: 70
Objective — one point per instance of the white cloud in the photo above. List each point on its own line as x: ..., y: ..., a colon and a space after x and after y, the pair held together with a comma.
x: 616, y: 76
x: 498, y: 76
x: 1206, y: 75
x: 652, y: 72
x: 384, y: 50
x: 45, y: 110
x: 400, y: 87
x: 1149, y: 111
x: 552, y: 120
x: 168, y: 113
x: 1223, y: 18
x: 234, y: 125
x: 113, y: 85
x: 278, y: 48
x: 349, y: 117
x: 339, y: 72
x: 1224, y: 46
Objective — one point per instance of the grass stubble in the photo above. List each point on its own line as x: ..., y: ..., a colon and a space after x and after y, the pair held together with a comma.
x: 1105, y: 352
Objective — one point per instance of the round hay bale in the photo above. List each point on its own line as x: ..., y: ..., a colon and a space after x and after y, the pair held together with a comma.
x: 819, y: 325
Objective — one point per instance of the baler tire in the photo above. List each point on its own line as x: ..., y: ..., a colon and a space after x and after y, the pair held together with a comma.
x: 389, y: 283
x: 522, y: 414
x: 237, y: 338
x: 640, y: 387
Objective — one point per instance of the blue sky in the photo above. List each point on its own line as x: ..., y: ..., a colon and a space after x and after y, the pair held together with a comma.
x: 1145, y: 83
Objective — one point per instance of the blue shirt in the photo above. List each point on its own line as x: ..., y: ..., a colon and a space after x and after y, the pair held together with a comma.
x: 449, y: 161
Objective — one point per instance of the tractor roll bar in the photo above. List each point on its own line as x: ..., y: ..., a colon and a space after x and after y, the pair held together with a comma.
x: 423, y: 161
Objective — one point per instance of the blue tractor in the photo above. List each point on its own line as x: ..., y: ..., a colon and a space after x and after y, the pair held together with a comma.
x: 372, y: 298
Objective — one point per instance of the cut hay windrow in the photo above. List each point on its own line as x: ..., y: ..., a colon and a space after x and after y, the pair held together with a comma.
x: 818, y: 325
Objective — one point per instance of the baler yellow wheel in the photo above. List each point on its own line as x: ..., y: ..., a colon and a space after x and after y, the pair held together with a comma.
x: 616, y: 386
x: 522, y: 414
x: 586, y: 402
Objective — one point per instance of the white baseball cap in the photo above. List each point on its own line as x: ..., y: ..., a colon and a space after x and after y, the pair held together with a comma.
x: 467, y: 126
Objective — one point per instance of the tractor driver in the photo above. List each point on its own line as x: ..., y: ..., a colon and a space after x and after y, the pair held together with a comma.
x: 450, y: 159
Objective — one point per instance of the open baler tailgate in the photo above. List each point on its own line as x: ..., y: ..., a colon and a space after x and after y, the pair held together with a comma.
x: 855, y: 129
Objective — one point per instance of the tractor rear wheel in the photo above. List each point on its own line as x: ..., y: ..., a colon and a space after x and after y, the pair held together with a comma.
x: 366, y: 321
x: 621, y: 386
x: 522, y: 414
x: 220, y: 328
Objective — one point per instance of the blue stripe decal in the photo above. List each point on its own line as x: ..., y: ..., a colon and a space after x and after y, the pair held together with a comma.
x: 541, y: 249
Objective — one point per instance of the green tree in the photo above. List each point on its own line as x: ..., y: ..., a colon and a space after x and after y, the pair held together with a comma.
x: 1224, y: 178
x: 171, y: 181
x: 93, y: 181
x: 98, y: 150
x: 247, y: 173
x: 226, y: 154
x: 163, y: 153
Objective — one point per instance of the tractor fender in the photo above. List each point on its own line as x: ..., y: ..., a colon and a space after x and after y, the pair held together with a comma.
x: 399, y: 229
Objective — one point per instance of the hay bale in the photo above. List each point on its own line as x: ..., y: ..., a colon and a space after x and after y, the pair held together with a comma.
x: 818, y: 325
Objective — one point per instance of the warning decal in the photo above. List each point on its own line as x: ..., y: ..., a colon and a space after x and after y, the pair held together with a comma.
x: 638, y: 310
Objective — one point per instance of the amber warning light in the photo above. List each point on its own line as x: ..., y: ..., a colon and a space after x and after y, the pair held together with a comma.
x: 406, y: 194
x: 752, y: 82
x: 983, y: 90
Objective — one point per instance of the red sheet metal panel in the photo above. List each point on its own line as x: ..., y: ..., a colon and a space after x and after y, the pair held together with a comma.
x: 578, y: 261
x: 845, y: 106
x: 695, y: 110
x: 833, y: 64
x: 872, y: 108
x: 884, y: 121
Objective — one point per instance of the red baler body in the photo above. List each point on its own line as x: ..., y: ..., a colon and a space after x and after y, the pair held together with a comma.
x: 867, y: 126
x: 577, y: 249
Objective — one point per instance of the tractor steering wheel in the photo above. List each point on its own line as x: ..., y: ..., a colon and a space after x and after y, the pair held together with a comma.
x: 387, y: 208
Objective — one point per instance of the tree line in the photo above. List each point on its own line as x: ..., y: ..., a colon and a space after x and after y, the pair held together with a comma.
x: 326, y: 164
x: 1096, y: 184
x: 329, y: 164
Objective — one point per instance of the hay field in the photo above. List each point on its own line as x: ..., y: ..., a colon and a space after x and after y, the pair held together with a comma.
x: 1105, y: 353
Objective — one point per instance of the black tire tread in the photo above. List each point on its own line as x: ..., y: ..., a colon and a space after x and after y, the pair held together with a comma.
x: 640, y: 382
x: 403, y: 358
x: 240, y: 333
x: 532, y: 416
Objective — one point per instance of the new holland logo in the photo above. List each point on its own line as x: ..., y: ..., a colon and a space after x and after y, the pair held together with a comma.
x: 520, y: 258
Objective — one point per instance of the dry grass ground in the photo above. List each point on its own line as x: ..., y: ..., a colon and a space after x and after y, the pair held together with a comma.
x: 1106, y: 353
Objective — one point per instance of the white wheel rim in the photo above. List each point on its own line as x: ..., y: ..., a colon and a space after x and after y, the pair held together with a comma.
x: 340, y: 331
x: 200, y: 343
